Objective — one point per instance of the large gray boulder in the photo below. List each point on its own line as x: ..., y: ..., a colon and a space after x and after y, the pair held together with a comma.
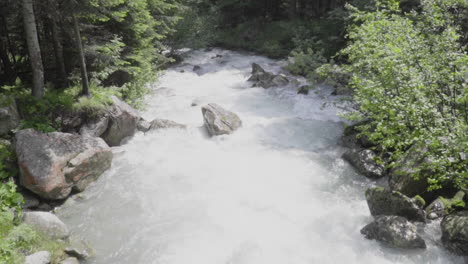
x: 262, y: 78
x: 96, y: 127
x: 41, y: 257
x: 53, y: 164
x: 385, y: 202
x: 219, y: 121
x: 47, y: 223
x: 123, y: 121
x: 394, y: 231
x: 455, y: 233
x: 365, y: 163
x: 9, y: 116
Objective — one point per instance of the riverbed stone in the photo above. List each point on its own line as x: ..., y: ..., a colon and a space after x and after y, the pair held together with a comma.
x: 382, y: 201
x: 96, y: 127
x: 143, y: 125
x: 262, y: 78
x: 364, y: 162
x: 9, y: 115
x: 219, y: 121
x: 304, y: 90
x: 52, y: 164
x: 47, y: 223
x: 123, y: 121
x: 163, y: 124
x: 394, y: 231
x: 41, y: 257
x: 455, y: 232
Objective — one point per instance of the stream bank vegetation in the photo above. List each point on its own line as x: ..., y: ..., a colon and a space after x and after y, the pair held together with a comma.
x: 405, y: 63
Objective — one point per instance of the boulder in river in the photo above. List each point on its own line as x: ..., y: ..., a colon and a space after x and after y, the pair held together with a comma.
x: 52, y: 164
x: 163, y: 124
x: 219, y: 121
x: 304, y: 90
x: 455, y: 233
x: 47, y: 223
x: 382, y: 201
x: 96, y: 127
x: 41, y: 257
x: 262, y: 78
x: 365, y: 162
x: 9, y: 116
x: 394, y: 231
x: 143, y: 125
x: 123, y: 122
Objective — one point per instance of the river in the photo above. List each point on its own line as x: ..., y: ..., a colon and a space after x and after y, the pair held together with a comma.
x: 274, y: 192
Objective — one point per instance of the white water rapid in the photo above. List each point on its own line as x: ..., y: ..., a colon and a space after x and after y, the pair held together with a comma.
x: 274, y: 192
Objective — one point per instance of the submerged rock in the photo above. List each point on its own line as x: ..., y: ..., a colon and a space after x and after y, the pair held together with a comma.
x: 385, y: 202
x: 47, y: 223
x: 41, y: 257
x: 219, y: 121
x: 9, y: 116
x: 262, y: 78
x: 304, y: 90
x: 143, y: 125
x: 163, y: 123
x: 394, y: 231
x: 123, y: 122
x: 455, y: 233
x: 364, y: 162
x: 52, y: 164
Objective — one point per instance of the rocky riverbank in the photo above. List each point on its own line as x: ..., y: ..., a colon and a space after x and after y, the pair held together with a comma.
x: 55, y: 167
x: 405, y: 202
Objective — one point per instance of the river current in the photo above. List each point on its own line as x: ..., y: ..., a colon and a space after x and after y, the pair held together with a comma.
x: 275, y: 192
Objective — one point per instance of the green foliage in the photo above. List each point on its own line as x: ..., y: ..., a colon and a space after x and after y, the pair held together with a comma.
x: 409, y: 73
x: 9, y: 198
x: 305, y: 63
x: 16, y: 240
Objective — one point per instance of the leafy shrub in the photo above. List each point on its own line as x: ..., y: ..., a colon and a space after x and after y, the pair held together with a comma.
x: 409, y: 73
x: 305, y: 63
x: 16, y: 240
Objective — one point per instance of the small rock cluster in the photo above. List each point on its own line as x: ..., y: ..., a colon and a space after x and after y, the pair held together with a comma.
x: 262, y: 78
x: 401, y: 208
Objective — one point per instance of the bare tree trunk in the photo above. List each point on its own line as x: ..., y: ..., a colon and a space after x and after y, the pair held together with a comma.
x: 292, y: 9
x: 58, y: 50
x: 84, y: 72
x: 34, y: 49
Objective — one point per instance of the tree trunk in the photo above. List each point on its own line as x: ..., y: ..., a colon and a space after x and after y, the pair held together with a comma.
x: 34, y: 49
x: 84, y: 73
x: 292, y: 9
x: 58, y: 50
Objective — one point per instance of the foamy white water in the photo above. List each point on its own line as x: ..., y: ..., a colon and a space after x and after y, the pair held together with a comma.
x: 274, y: 192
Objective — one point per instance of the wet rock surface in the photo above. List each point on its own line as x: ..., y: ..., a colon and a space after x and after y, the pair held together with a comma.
x: 382, y: 201
x: 455, y: 233
x: 394, y: 231
x: 52, y: 164
x: 219, y: 121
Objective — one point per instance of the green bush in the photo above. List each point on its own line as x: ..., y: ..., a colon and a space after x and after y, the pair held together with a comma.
x: 409, y: 74
x: 18, y: 240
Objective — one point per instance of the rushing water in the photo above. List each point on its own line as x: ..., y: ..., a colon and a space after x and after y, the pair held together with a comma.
x: 274, y: 192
